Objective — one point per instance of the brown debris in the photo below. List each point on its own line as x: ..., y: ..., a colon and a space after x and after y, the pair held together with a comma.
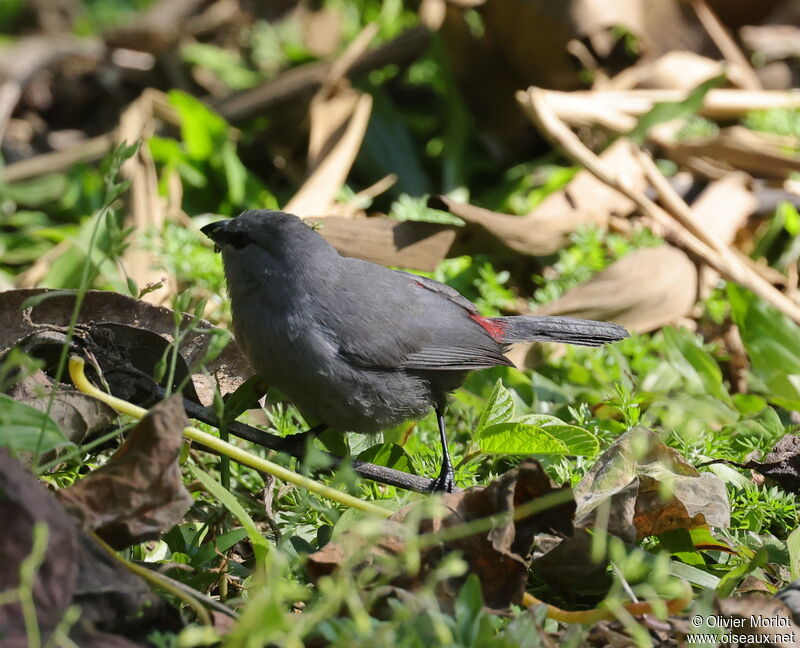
x: 500, y: 557
x: 644, y: 290
x: 138, y: 494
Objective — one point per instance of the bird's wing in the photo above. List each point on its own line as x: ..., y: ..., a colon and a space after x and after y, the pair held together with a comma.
x: 403, y: 321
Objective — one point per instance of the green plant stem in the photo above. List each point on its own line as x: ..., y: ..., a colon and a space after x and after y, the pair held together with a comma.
x: 156, y: 580
x: 76, y: 370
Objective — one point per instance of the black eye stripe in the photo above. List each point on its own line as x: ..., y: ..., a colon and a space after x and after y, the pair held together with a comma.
x: 239, y: 240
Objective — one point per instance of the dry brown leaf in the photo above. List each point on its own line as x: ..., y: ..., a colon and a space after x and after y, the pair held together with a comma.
x: 139, y: 493
x: 500, y: 558
x: 619, y: 110
x: 676, y: 70
x: 737, y: 148
x: 584, y: 201
x: 675, y: 218
x: 77, y: 415
x: 644, y: 290
x: 650, y: 488
x: 782, y: 464
x: 74, y: 571
x: 341, y: 141
x: 230, y: 368
x: 387, y: 241
x: 723, y: 209
x: 339, y: 118
x: 772, y: 42
x: 146, y: 208
x: 724, y: 206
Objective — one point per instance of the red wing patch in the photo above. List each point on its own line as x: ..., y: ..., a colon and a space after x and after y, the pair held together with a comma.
x: 492, y: 326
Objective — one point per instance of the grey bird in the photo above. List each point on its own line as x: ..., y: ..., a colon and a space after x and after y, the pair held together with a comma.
x: 356, y: 346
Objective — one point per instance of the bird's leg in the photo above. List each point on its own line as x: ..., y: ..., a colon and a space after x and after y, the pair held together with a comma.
x: 444, y: 482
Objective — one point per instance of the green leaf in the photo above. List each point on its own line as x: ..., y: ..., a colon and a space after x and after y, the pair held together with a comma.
x: 518, y: 438
x: 390, y: 455
x: 235, y: 173
x: 499, y: 407
x: 579, y: 442
x: 772, y: 342
x: 26, y: 429
x: 245, y: 397
x: 664, y: 111
x: 260, y: 545
x: 208, y: 551
x: 696, y: 366
x: 202, y: 130
x: 793, y: 545
x: 694, y: 575
x: 730, y: 580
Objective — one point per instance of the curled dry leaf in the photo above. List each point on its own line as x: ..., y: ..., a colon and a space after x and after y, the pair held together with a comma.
x: 409, y: 244
x: 651, y: 489
x: 618, y: 293
x: 230, y: 368
x: 782, y: 464
x: 339, y: 118
x: 499, y: 557
x: 723, y: 209
x: 76, y: 414
x: 146, y: 209
x: 584, y: 201
x: 139, y: 493
x: 675, y: 70
x: 73, y: 571
x: 737, y: 148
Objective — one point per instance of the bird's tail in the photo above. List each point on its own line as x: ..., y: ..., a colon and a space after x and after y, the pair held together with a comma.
x: 568, y: 330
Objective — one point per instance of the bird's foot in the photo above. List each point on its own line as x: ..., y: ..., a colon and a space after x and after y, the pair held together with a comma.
x: 444, y: 483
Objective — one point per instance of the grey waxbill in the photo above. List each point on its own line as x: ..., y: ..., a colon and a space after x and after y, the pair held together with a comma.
x: 354, y: 345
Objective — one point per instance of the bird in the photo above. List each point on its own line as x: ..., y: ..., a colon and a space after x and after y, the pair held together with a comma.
x: 357, y: 346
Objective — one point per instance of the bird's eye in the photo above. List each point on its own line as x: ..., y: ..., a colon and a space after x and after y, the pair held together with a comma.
x: 239, y: 240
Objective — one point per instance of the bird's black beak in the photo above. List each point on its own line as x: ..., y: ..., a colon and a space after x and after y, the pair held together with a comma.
x: 222, y: 236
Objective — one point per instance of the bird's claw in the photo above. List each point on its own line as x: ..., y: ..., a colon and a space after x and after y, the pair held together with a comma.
x: 444, y: 483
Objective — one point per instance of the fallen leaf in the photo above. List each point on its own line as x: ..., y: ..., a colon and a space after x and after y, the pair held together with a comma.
x: 386, y: 241
x: 77, y: 415
x: 676, y: 70
x: 725, y: 205
x: 618, y: 294
x: 584, y: 201
x: 230, y: 368
x: 500, y: 557
x: 651, y: 489
x: 138, y: 493
x: 773, y: 42
x: 723, y: 209
x: 736, y: 148
x: 73, y: 571
x: 782, y: 463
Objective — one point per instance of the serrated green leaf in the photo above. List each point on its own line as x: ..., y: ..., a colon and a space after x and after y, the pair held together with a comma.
x: 518, y: 438
x: 499, y: 407
x: 579, y: 442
